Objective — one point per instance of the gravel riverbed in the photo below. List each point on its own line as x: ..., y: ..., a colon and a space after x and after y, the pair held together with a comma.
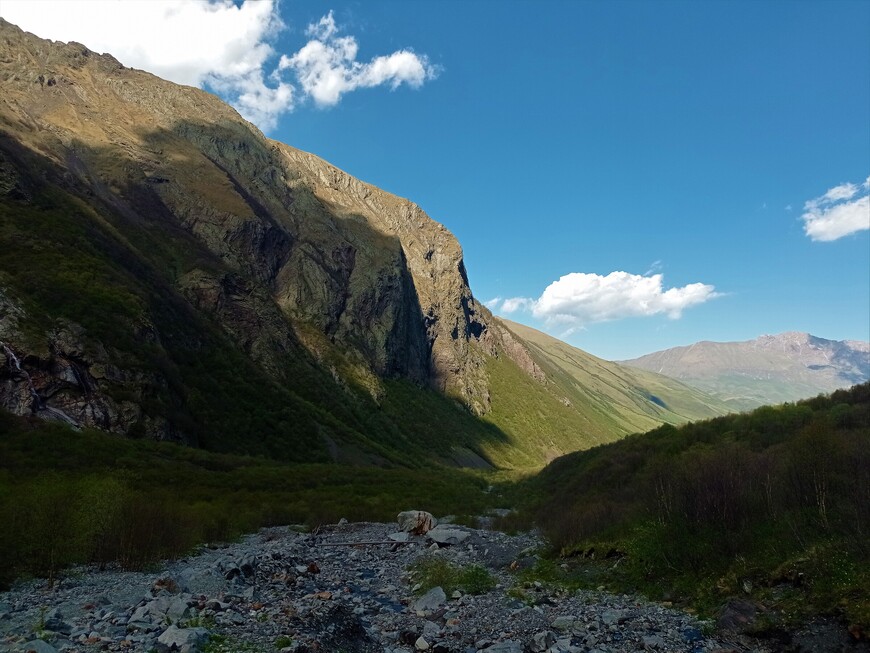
x: 344, y: 589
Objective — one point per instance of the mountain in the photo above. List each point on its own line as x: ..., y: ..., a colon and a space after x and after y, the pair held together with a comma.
x: 168, y: 272
x: 628, y: 400
x: 767, y: 370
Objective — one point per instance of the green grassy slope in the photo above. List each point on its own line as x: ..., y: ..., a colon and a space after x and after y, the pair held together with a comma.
x: 585, y: 401
x: 772, y: 506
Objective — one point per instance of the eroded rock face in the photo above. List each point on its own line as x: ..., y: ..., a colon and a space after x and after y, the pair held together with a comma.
x: 64, y: 384
x: 301, y: 245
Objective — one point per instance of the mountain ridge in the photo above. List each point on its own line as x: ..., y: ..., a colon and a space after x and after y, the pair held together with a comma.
x: 767, y: 369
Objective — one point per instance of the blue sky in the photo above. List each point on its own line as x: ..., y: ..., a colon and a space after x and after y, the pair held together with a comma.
x: 722, y: 145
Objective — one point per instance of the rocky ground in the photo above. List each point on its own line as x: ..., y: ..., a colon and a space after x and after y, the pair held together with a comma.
x: 345, y: 588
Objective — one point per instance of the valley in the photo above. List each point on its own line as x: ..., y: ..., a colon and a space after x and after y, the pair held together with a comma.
x: 222, y: 356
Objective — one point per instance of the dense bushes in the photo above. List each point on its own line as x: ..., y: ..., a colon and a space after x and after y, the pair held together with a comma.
x: 68, y: 497
x: 744, y: 495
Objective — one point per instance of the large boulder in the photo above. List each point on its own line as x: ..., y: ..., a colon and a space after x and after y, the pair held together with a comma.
x: 416, y: 522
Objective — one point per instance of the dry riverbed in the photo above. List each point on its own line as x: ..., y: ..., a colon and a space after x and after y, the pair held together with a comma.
x: 346, y: 588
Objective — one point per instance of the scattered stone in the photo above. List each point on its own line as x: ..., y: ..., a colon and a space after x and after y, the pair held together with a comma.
x: 356, y: 597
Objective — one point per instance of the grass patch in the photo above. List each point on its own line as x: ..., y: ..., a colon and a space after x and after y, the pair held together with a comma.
x: 433, y: 571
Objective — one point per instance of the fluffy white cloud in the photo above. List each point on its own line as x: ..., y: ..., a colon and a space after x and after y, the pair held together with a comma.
x: 843, y: 210
x: 222, y: 44
x: 326, y: 66
x: 580, y: 298
x: 493, y: 303
x: 514, y: 304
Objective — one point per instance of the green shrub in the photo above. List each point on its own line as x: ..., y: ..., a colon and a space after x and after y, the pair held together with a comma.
x: 434, y: 571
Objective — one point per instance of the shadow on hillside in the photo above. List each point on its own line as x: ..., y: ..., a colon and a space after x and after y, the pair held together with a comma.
x: 211, y: 259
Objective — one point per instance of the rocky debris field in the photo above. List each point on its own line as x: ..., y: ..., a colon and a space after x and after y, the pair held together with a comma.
x: 346, y: 588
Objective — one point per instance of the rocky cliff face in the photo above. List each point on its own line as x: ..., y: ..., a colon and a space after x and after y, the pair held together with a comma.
x: 292, y: 251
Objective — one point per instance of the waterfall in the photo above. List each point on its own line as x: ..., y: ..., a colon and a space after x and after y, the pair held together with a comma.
x: 38, y: 404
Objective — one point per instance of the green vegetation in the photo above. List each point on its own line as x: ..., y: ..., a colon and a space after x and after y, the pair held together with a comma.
x: 433, y: 571
x: 773, y: 504
x: 585, y: 402
x: 68, y: 497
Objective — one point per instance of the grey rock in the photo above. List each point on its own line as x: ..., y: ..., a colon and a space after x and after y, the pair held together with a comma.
x: 57, y: 625
x: 202, y: 581
x: 431, y: 630
x: 164, y: 608
x: 653, y: 643
x: 431, y: 600
x: 611, y: 617
x: 563, y: 623
x: 447, y: 535
x: 186, y: 640
x: 542, y: 641
x: 38, y: 646
x: 399, y: 537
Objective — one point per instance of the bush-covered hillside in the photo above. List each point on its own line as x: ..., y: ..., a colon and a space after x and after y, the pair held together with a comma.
x: 86, y: 496
x: 772, y: 505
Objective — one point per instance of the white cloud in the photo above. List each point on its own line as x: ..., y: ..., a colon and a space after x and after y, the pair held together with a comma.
x: 514, y: 304
x: 327, y: 67
x: 220, y: 44
x: 493, y: 303
x: 839, y: 212
x: 580, y: 298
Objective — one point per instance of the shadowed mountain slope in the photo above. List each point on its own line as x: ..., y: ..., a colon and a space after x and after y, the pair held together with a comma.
x: 168, y: 272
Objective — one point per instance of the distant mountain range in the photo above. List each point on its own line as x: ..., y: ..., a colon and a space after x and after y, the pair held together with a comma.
x: 766, y: 370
